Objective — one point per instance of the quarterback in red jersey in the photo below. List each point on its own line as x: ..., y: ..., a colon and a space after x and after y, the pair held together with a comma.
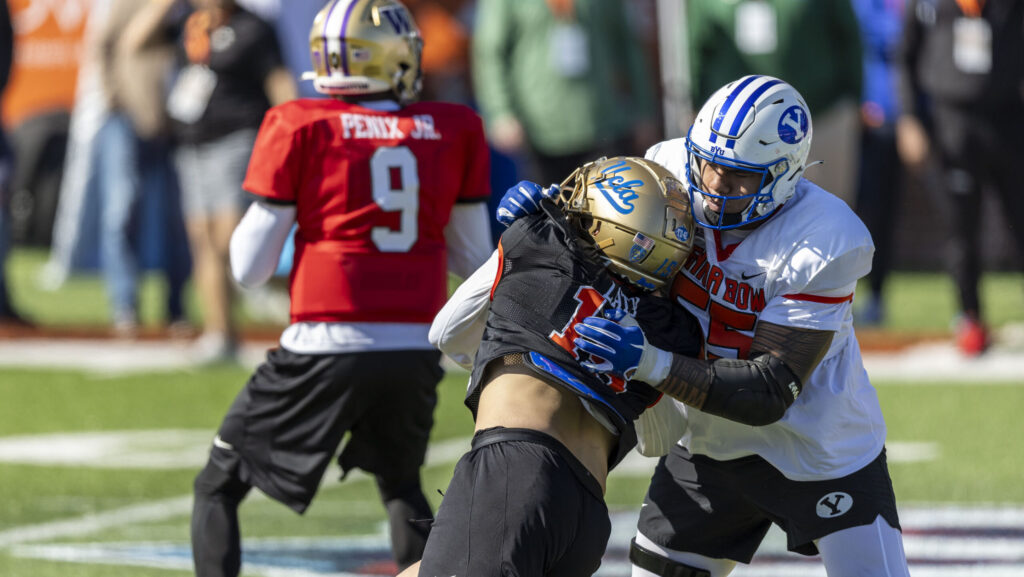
x: 388, y: 195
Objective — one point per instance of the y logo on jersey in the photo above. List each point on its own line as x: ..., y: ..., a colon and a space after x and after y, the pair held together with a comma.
x: 834, y: 505
x: 616, y: 189
x: 793, y: 124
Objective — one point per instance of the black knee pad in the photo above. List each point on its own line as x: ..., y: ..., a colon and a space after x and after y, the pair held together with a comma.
x: 663, y: 566
x: 216, y: 482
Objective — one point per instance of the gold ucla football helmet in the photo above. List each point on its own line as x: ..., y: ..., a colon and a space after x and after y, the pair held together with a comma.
x: 637, y: 213
x: 366, y: 47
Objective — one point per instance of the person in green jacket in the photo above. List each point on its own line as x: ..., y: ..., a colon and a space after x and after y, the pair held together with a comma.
x: 562, y: 81
x: 815, y: 45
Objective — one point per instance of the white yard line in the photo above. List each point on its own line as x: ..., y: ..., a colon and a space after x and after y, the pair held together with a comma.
x: 924, y: 363
x: 96, y: 522
x: 439, y: 453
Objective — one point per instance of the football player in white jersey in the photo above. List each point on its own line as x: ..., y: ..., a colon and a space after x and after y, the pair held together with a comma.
x: 782, y: 423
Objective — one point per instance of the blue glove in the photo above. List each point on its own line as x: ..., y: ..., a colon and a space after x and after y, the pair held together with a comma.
x: 618, y: 346
x: 521, y: 200
x: 615, y: 348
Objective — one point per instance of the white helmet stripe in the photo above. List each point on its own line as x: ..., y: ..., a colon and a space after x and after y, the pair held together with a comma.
x: 732, y: 116
x: 334, y: 33
x: 724, y: 110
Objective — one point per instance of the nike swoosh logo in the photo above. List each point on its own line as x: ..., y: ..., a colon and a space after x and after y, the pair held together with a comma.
x: 746, y: 276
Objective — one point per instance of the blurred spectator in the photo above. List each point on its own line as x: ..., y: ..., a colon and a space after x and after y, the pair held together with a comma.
x: 293, y: 31
x: 445, y: 48
x: 8, y: 315
x: 229, y: 72
x: 965, y: 58
x: 813, y: 45
x: 880, y: 172
x: 563, y: 80
x: 131, y: 167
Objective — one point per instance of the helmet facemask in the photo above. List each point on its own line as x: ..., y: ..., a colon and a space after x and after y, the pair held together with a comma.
x: 760, y: 201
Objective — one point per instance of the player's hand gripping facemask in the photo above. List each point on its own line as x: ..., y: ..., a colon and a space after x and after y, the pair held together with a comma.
x: 364, y: 47
x: 757, y: 124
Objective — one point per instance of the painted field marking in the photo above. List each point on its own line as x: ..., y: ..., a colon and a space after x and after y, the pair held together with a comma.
x: 187, y: 449
x: 438, y: 453
x: 923, y: 363
x: 942, y: 541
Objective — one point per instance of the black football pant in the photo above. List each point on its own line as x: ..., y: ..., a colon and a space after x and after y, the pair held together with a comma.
x: 216, y: 541
x: 978, y: 146
x: 879, y: 188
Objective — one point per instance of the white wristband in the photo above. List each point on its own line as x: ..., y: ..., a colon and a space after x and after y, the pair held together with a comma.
x: 654, y: 366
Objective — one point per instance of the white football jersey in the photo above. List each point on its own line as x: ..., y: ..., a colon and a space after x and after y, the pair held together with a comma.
x: 799, y: 269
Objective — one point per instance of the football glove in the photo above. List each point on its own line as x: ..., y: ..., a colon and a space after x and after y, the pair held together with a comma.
x: 618, y: 346
x: 521, y: 200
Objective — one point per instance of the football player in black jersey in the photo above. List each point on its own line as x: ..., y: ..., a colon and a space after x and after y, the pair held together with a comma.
x: 528, y: 498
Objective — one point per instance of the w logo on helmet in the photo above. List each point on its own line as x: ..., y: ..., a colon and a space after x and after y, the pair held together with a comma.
x: 398, y: 18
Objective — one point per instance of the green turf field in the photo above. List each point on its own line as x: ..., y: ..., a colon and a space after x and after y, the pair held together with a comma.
x: 954, y: 442
x: 972, y: 429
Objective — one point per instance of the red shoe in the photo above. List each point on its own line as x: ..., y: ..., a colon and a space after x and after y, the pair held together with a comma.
x: 971, y: 337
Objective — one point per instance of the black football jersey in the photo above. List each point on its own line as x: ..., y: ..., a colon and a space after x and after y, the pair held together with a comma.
x: 549, y: 279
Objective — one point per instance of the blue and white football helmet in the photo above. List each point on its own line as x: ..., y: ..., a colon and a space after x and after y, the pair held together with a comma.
x: 758, y: 124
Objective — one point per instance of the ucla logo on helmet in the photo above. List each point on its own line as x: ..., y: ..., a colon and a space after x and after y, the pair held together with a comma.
x: 616, y: 189
x: 793, y: 124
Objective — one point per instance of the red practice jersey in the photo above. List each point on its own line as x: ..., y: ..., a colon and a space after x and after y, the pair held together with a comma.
x: 373, y: 192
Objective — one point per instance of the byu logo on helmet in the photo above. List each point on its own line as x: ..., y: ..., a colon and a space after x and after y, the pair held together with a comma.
x: 793, y: 124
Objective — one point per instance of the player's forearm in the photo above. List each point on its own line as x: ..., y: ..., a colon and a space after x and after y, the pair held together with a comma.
x: 257, y: 241
x: 689, y: 381
x: 459, y: 326
x: 754, y: 392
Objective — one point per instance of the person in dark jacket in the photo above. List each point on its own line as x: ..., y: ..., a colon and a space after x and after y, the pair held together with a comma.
x: 8, y: 315
x: 964, y: 57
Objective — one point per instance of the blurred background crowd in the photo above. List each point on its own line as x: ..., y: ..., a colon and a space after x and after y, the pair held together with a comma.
x: 127, y: 124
